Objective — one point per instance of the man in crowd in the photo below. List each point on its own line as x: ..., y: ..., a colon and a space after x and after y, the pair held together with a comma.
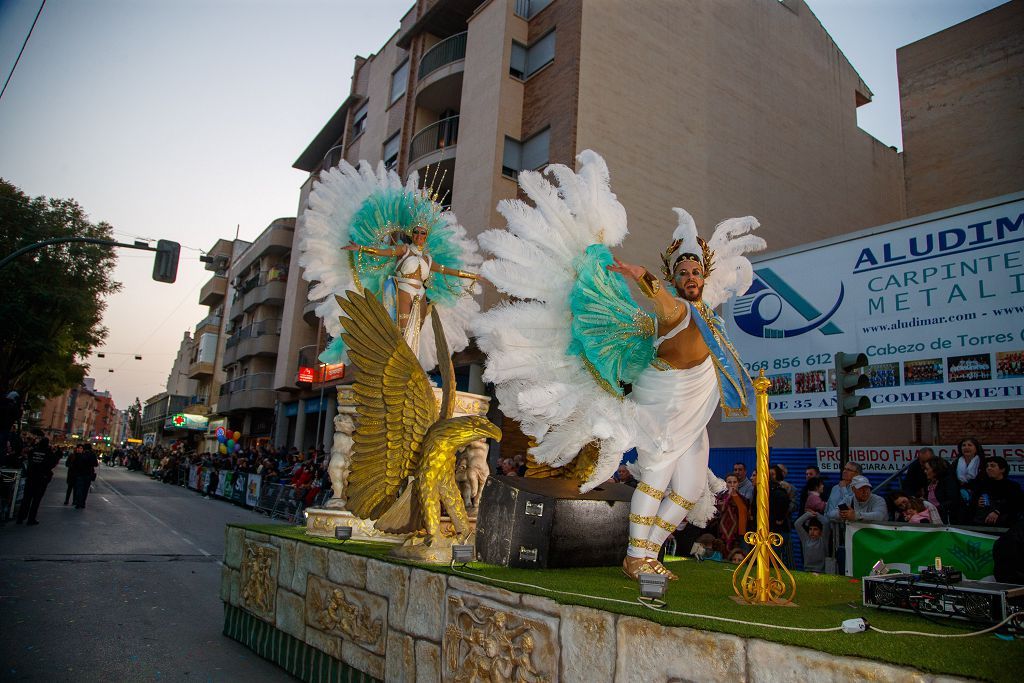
x: 915, y: 479
x: 997, y: 500
x: 83, y: 471
x: 841, y: 494
x: 39, y: 471
x: 866, y: 506
x: 746, y: 487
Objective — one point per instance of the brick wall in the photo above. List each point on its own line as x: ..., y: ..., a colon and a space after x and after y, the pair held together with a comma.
x: 989, y: 426
x: 551, y: 96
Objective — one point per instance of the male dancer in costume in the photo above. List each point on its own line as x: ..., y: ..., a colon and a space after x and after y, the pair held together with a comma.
x: 695, y: 369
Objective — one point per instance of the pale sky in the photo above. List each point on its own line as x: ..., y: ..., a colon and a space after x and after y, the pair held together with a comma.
x: 180, y: 119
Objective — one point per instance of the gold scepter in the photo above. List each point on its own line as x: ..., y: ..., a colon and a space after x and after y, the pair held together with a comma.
x: 760, y: 579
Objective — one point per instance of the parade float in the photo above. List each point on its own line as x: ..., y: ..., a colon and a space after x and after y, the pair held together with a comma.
x: 383, y: 584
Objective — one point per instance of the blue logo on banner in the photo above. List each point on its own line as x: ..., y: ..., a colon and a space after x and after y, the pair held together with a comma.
x: 765, y: 302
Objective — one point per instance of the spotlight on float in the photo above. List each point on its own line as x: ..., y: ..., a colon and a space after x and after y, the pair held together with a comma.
x: 652, y: 589
x: 342, y: 533
x: 879, y: 568
x: 463, y: 555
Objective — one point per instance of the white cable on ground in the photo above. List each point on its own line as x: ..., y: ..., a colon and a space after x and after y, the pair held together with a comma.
x: 1016, y: 615
x: 655, y: 609
x: 735, y: 621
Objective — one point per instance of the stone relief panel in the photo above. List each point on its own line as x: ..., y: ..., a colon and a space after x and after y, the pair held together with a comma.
x: 258, y: 590
x: 352, y: 614
x: 488, y: 641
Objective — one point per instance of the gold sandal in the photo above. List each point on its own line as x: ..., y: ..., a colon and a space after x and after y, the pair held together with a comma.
x: 656, y: 567
x: 632, y: 566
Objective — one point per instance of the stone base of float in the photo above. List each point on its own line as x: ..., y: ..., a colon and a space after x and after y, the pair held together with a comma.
x: 327, y: 615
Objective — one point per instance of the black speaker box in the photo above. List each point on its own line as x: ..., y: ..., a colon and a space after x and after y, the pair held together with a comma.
x: 539, y: 523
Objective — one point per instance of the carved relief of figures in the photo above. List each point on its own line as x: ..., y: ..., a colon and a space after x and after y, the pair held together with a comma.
x: 485, y: 644
x: 471, y: 472
x: 334, y: 609
x: 259, y: 578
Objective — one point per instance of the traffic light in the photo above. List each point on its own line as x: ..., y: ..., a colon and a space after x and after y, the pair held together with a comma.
x: 165, y: 264
x: 848, y: 381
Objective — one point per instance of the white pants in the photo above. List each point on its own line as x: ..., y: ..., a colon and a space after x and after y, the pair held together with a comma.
x: 673, y: 410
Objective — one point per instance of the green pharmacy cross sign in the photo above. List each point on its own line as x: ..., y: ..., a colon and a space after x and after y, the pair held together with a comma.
x: 186, y: 421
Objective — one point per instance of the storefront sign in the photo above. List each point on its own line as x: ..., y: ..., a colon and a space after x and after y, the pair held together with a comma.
x: 937, y: 304
x: 186, y: 421
x: 889, y: 459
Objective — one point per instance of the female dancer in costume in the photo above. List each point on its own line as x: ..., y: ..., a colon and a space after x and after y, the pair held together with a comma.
x: 366, y: 229
x: 413, y: 265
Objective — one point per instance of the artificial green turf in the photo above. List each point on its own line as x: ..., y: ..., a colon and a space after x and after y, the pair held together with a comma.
x: 706, y: 588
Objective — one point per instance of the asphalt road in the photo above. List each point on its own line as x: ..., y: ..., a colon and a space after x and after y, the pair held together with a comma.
x: 126, y: 589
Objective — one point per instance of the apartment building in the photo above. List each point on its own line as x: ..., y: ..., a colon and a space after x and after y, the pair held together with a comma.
x: 82, y: 413
x: 258, y: 277
x: 724, y: 108
x: 963, y: 141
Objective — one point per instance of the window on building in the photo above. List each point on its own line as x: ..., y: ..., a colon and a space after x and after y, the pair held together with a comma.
x: 390, y: 154
x: 399, y: 79
x: 527, y: 9
x: 526, y: 61
x: 525, y: 156
x: 359, y: 120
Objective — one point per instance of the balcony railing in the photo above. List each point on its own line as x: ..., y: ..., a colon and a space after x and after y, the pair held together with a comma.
x: 258, y: 380
x: 440, y: 135
x: 332, y: 158
x: 211, y: 320
x: 254, y: 330
x: 447, y: 51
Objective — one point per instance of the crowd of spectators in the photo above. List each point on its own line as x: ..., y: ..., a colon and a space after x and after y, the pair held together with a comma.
x: 305, y: 473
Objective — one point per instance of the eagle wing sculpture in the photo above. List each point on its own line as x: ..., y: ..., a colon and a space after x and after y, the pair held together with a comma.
x: 398, y: 432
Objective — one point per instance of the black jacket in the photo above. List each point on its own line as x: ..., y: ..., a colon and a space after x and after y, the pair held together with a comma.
x: 41, y: 460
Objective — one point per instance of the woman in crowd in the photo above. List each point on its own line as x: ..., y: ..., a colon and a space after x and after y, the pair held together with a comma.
x: 942, y: 489
x: 969, y: 455
x: 732, y: 513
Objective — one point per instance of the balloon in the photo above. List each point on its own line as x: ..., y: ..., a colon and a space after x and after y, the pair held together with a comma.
x: 237, y: 435
x: 231, y: 443
x: 223, y: 449
x: 221, y: 438
x: 238, y: 447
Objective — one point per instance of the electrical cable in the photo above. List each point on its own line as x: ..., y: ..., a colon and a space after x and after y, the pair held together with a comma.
x: 22, y: 50
x: 1015, y: 615
x: 652, y: 608
x: 478, y: 577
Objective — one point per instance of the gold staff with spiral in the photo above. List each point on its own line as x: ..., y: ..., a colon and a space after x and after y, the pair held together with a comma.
x: 760, y: 579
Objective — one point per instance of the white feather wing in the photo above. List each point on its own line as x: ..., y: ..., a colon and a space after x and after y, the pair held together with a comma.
x: 550, y: 393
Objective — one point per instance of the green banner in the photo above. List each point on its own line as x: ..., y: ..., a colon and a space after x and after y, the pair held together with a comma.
x: 912, y: 546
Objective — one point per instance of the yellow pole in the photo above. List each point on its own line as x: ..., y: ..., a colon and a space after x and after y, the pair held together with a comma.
x: 767, y: 584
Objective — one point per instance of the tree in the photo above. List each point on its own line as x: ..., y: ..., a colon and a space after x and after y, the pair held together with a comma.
x: 135, y: 419
x: 53, y: 298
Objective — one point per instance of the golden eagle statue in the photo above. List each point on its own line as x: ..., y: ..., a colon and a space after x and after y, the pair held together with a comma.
x: 400, y: 430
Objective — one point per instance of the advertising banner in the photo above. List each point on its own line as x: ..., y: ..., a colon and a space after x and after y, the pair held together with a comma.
x: 936, y: 303
x: 908, y: 547
x: 221, y: 480
x: 889, y: 459
x: 193, y: 477
x: 204, y: 480
x: 252, y: 491
x: 238, y: 486
x: 226, y: 486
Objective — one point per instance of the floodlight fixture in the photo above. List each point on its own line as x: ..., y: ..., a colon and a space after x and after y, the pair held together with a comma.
x: 652, y: 588
x: 342, y: 533
x: 463, y: 555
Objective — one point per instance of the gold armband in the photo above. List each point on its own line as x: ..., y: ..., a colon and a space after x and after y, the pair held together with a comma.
x: 369, y: 250
x: 649, y: 285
